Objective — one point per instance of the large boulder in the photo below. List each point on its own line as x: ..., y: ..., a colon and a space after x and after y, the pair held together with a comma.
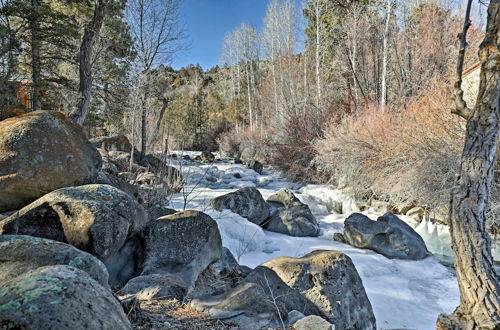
x: 389, y: 236
x: 58, y: 297
x: 290, y: 216
x: 330, y: 281
x: 184, y: 244
x: 20, y: 254
x: 112, y: 143
x: 95, y: 218
x: 40, y: 152
x: 247, y: 202
x: 261, y: 300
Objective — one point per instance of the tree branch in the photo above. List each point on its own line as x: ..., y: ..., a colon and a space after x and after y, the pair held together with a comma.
x: 461, y: 108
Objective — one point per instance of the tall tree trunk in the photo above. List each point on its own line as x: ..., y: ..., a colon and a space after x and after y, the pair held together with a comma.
x: 143, y: 128
x: 249, y: 95
x: 317, y: 66
x: 383, y: 98
x: 90, y: 35
x: 36, y: 65
x: 478, y: 282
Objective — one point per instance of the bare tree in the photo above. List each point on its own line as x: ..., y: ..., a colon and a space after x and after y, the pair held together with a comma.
x: 158, y: 34
x: 90, y: 35
x: 383, y: 98
x: 478, y: 282
x: 36, y: 61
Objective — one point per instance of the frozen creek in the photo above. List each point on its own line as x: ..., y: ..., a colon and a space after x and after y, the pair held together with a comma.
x: 404, y: 294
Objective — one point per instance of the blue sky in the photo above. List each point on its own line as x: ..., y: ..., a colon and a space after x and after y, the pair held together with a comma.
x: 208, y: 20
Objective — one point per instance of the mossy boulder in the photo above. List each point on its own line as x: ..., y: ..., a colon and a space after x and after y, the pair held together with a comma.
x: 40, y: 152
x: 95, y: 218
x: 59, y: 297
x: 20, y: 254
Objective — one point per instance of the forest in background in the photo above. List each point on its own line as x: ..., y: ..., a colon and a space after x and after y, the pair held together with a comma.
x: 353, y: 100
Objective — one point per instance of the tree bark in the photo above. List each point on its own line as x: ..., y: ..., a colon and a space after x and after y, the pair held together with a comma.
x: 317, y: 66
x: 383, y: 98
x: 36, y: 65
x: 90, y: 34
x: 143, y: 128
x: 478, y: 282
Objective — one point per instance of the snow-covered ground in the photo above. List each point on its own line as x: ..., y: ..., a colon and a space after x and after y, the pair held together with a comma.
x: 404, y: 294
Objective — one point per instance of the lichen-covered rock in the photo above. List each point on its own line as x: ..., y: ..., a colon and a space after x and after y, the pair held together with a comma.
x: 330, y: 281
x: 247, y: 202
x: 389, y: 236
x: 95, y: 218
x: 290, y: 216
x: 20, y: 254
x: 40, y: 152
x: 58, y: 297
x: 313, y: 322
x: 184, y: 243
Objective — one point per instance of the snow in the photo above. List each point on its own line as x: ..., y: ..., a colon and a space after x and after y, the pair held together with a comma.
x: 404, y: 294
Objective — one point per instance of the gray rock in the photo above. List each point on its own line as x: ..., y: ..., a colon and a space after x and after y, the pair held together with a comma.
x: 294, y: 316
x: 261, y: 300
x: 389, y: 236
x: 219, y: 277
x: 59, y: 297
x: 329, y: 280
x: 157, y: 211
x: 238, y: 161
x: 207, y: 157
x: 256, y: 166
x: 247, y: 202
x: 127, y: 262
x: 95, y: 218
x: 154, y: 286
x: 184, y: 243
x: 338, y: 237
x: 121, y: 160
x: 313, y: 322
x: 290, y: 216
x: 40, y: 152
x: 20, y: 254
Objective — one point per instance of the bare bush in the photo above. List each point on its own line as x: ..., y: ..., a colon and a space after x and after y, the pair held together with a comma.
x: 406, y: 156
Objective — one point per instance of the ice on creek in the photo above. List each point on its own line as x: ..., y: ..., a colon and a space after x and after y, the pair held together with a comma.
x: 404, y: 294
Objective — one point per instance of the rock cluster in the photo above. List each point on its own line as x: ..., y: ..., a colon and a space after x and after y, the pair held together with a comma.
x: 80, y: 227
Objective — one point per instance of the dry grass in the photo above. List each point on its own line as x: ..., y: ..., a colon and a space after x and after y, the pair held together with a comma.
x: 172, y: 314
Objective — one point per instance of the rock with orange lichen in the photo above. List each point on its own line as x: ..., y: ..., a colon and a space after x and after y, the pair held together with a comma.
x: 40, y: 152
